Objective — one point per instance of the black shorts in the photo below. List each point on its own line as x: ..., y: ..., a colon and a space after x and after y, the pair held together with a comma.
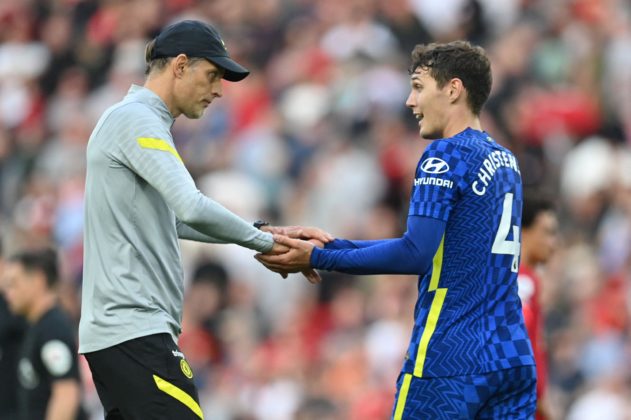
x: 147, y: 378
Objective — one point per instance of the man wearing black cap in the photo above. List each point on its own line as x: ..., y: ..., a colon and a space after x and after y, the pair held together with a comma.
x: 139, y: 200
x: 199, y: 47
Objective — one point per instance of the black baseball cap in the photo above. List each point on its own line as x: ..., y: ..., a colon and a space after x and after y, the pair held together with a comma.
x: 198, y: 39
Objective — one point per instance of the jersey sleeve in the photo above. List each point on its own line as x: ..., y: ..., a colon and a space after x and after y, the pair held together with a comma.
x: 410, y: 254
x: 57, y: 350
x: 147, y: 148
x: 438, y: 181
x: 57, y: 359
x: 184, y: 231
x: 339, y: 243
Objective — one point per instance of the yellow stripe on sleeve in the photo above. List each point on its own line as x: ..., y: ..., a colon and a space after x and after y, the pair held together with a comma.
x: 180, y: 395
x: 434, y: 311
x: 403, y: 396
x: 437, y: 267
x: 158, y: 144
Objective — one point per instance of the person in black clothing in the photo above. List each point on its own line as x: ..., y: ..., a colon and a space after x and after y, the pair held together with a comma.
x: 48, y: 373
x: 11, y: 331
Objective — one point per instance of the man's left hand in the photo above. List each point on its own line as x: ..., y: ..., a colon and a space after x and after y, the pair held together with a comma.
x: 315, y: 235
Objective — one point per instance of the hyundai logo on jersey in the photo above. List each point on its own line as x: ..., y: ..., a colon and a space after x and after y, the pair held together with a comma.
x: 434, y: 165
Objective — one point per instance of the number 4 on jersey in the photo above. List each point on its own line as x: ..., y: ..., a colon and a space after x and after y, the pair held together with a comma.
x: 501, y: 244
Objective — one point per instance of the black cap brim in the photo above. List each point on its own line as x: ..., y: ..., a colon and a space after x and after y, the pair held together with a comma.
x: 234, y: 72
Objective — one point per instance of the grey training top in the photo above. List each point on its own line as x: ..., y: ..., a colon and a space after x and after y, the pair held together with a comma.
x: 139, y: 198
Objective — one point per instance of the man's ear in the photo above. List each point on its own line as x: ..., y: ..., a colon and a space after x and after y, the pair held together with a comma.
x: 455, y: 89
x: 178, y: 65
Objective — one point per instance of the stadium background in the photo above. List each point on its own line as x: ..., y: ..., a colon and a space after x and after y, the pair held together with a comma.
x: 319, y: 135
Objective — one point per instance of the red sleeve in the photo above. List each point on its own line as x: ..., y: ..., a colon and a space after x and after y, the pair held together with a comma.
x: 529, y: 294
x: 530, y: 319
x: 527, y: 287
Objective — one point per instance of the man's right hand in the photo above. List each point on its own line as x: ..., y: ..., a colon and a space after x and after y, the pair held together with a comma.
x: 310, y: 274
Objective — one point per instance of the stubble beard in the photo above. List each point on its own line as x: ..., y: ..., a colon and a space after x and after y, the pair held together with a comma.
x: 195, y: 113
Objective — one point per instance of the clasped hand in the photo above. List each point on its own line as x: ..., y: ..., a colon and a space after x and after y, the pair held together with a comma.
x: 292, y: 249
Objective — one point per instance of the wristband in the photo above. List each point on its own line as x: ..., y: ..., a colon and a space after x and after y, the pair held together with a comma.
x: 260, y: 223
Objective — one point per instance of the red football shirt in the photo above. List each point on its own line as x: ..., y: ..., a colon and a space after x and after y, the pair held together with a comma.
x: 529, y: 293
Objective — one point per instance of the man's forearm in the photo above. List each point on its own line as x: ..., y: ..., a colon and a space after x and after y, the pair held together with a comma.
x: 395, y: 256
x: 211, y: 219
x: 184, y: 231
x: 411, y: 254
x: 352, y: 244
x: 64, y: 400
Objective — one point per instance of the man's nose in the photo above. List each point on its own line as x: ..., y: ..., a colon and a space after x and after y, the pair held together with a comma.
x: 217, y: 89
x: 409, y: 102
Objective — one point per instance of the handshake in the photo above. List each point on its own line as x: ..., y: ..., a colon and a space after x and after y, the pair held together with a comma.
x: 292, y: 250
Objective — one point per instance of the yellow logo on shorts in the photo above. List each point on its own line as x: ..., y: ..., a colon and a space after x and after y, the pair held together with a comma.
x: 186, y: 369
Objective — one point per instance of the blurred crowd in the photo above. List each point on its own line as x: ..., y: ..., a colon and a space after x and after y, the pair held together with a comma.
x: 319, y: 135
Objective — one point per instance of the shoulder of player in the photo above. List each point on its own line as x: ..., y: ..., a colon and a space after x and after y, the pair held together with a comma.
x: 55, y: 324
x: 496, y: 146
x: 487, y: 149
x: 448, y: 152
x: 127, y: 117
x: 450, y: 146
x: 133, y: 112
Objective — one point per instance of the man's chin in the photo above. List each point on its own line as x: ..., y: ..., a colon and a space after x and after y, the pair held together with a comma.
x: 195, y: 115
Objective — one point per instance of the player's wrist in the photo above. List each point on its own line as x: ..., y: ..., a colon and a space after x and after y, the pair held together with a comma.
x: 260, y: 224
x: 314, y: 256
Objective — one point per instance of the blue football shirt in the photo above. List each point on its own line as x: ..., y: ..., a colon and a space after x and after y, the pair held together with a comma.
x: 468, y: 316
